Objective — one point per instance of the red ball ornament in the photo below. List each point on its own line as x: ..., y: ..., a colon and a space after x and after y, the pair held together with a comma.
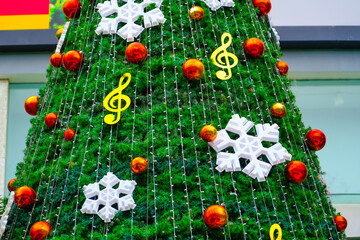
x: 139, y: 165
x: 40, y: 230
x: 136, y: 53
x: 263, y: 5
x: 208, y: 133
x: 278, y: 110
x: 58, y: 33
x: 69, y: 134
x: 296, y: 172
x: 196, y: 13
x: 315, y: 139
x: 282, y: 67
x: 32, y: 105
x: 56, y: 59
x: 72, y: 60
x: 24, y: 197
x: 11, y: 186
x: 216, y: 217
x: 72, y: 8
x: 193, y: 69
x: 254, y: 47
x: 51, y: 119
x: 340, y: 223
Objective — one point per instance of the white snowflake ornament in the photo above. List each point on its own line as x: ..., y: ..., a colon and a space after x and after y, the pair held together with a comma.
x: 216, y: 4
x: 128, y: 14
x: 249, y: 147
x: 107, y: 202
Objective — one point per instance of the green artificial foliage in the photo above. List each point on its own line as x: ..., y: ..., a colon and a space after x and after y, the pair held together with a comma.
x: 163, y: 125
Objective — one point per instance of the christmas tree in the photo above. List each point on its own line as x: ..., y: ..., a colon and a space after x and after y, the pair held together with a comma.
x: 181, y: 134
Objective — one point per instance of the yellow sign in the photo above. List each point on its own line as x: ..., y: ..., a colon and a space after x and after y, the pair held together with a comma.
x: 113, y: 100
x: 272, y: 231
x: 221, y: 53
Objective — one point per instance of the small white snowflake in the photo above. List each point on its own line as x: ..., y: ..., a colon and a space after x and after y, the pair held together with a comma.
x: 128, y: 14
x: 216, y: 4
x: 107, y: 202
x: 249, y: 147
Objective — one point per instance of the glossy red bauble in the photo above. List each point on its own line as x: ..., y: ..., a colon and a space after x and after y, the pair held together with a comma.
x: 296, y: 172
x: 340, y: 223
x: 69, y: 134
x: 40, y: 230
x: 56, y: 60
x: 24, y: 197
x: 31, y: 105
x: 136, y: 53
x: 254, y: 47
x: 72, y: 8
x: 51, y: 119
x: 139, y: 165
x: 11, y: 186
x: 263, y: 5
x: 315, y: 139
x: 216, y: 217
x: 72, y: 60
x: 193, y: 69
x: 282, y: 67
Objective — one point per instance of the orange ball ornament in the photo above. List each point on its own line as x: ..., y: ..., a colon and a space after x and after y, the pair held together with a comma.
x: 340, y: 223
x: 69, y: 134
x: 263, y: 5
x: 216, y: 217
x: 31, y: 105
x: 56, y: 60
x: 193, y: 69
x: 196, y: 13
x: 296, y: 172
x: 51, y: 119
x: 208, y: 133
x: 315, y: 139
x: 72, y: 8
x: 139, y: 165
x: 278, y: 110
x: 72, y: 60
x: 40, y: 230
x: 136, y: 53
x: 25, y: 197
x: 58, y: 33
x: 11, y: 186
x: 254, y: 47
x: 282, y: 67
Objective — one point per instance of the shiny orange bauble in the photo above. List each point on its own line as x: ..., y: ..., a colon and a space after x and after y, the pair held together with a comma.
x: 11, y: 186
x: 24, y: 197
x: 196, y: 13
x: 69, y: 134
x: 278, y: 110
x: 193, y: 69
x: 340, y: 223
x: 32, y: 105
x: 40, y: 230
x: 56, y: 60
x: 72, y: 8
x: 58, y: 33
x: 216, y: 217
x: 263, y: 5
x: 254, y: 47
x: 72, y: 60
x: 51, y: 119
x: 139, y: 165
x: 296, y: 172
x: 136, y: 53
x: 315, y: 139
x: 282, y: 67
x: 208, y: 133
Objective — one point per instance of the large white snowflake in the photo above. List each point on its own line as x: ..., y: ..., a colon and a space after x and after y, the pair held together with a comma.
x: 107, y: 202
x: 216, y: 4
x: 128, y: 14
x: 249, y: 147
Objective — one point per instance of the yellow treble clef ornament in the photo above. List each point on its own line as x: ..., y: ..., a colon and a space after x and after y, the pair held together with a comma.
x: 272, y: 231
x: 113, y: 100
x: 221, y: 53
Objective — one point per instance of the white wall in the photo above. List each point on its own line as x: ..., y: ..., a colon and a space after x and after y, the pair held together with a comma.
x: 315, y: 12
